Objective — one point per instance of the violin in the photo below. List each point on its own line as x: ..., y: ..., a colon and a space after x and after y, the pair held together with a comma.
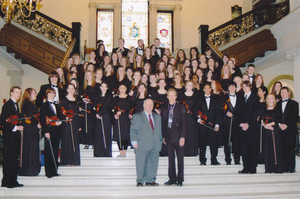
x: 52, y: 120
x: 14, y: 120
x: 97, y: 107
x: 69, y: 113
x: 132, y: 110
x: 116, y: 109
x: 133, y: 87
x: 157, y: 104
x: 37, y: 116
x: 84, y: 95
x: 115, y: 91
x: 225, y: 105
x: 204, y: 118
x: 266, y: 119
x: 186, y: 106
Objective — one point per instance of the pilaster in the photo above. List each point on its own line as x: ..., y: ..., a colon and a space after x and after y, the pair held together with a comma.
x: 294, y: 55
x: 15, y: 77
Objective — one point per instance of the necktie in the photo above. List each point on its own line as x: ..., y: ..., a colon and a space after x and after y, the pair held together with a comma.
x: 231, y: 95
x: 284, y: 100
x: 246, y: 98
x: 53, y: 86
x: 16, y: 107
x: 151, y: 122
x: 207, y: 97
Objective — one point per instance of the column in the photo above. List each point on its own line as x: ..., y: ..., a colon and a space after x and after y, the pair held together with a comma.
x: 152, y: 23
x: 15, y: 77
x: 177, y: 28
x: 294, y: 4
x: 294, y: 55
x: 92, y: 25
x: 117, y: 23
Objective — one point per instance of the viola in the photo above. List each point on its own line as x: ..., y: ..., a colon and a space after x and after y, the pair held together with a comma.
x: 14, y: 120
x: 52, y: 120
x: 133, y: 87
x: 69, y: 113
x: 37, y: 116
x: 203, y: 117
x: 115, y: 91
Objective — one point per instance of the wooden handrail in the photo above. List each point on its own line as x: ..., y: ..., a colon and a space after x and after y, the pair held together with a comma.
x: 214, y: 48
x: 68, y: 52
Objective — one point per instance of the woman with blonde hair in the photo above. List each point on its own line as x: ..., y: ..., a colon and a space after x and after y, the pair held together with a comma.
x: 272, y: 136
x: 88, y: 94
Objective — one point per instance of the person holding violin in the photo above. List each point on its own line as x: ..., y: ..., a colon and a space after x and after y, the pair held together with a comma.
x: 189, y: 100
x: 121, y: 124
x: 208, y: 117
x: 11, y: 139
x: 102, y: 104
x: 31, y: 165
x: 70, y: 152
x: 51, y: 130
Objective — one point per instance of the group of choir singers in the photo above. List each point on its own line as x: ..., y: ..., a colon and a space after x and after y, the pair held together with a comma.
x: 83, y: 101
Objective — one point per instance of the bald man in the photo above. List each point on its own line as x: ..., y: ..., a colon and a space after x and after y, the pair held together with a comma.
x: 146, y: 138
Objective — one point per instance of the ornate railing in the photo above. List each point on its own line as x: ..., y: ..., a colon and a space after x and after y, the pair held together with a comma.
x: 47, y: 27
x: 246, y: 23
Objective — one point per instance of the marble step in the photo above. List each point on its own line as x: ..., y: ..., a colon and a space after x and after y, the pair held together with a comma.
x: 154, y: 192
x: 204, y: 179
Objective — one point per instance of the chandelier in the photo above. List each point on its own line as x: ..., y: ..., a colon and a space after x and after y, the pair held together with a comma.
x: 10, y: 7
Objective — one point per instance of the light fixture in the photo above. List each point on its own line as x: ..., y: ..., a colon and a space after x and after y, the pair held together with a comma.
x: 26, y: 7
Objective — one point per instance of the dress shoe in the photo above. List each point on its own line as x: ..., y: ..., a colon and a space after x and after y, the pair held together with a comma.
x: 170, y: 182
x: 179, y: 184
x: 252, y: 172
x: 243, y: 171
x: 203, y: 163
x: 57, y: 174
x: 86, y: 147
x: 237, y: 163
x: 18, y: 184
x: 139, y: 185
x: 10, y: 186
x: 49, y: 176
x: 228, y: 163
x: 215, y: 163
x: 152, y: 183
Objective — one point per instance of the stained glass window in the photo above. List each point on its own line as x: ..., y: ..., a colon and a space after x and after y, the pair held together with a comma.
x: 105, y: 29
x: 134, y: 21
x: 164, y: 29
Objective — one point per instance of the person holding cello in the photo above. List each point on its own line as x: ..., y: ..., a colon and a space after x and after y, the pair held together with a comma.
x: 52, y: 131
x: 11, y: 139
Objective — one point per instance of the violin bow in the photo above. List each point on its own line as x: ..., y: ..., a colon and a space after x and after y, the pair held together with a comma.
x: 104, y: 132
x: 72, y: 135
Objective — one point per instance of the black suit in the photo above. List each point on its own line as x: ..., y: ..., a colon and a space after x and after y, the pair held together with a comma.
x: 42, y: 94
x: 55, y: 135
x: 247, y: 113
x: 172, y: 136
x: 124, y: 53
x: 11, y: 145
x: 162, y: 50
x: 208, y: 136
x: 288, y: 136
x: 225, y: 127
x: 140, y: 50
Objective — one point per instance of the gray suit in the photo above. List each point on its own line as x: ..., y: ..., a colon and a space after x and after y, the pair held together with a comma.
x: 149, y: 144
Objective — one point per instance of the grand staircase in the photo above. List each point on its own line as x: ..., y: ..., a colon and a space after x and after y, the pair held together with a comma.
x: 115, y: 178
